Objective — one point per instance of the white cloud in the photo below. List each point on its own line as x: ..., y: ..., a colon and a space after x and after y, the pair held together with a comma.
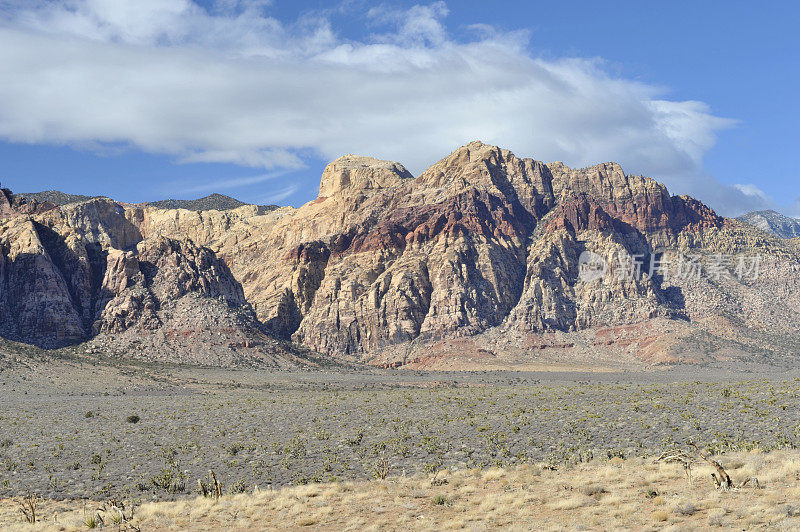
x: 418, y: 25
x: 231, y: 84
x: 752, y: 191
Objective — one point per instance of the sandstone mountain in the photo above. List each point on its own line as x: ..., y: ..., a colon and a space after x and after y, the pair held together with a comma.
x: 477, y: 263
x: 773, y: 222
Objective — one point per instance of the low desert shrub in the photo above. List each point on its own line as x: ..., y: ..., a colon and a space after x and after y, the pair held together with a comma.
x: 686, y: 508
x: 170, y: 479
x: 593, y: 489
x: 240, y: 486
x: 92, y: 521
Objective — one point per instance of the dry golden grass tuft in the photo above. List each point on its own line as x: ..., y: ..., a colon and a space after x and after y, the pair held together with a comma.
x: 600, y: 495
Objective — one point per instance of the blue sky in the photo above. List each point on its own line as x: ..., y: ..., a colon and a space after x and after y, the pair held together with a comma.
x: 169, y: 98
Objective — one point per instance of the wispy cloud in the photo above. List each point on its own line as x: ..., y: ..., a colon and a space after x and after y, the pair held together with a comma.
x: 214, y: 185
x: 280, y: 195
x: 231, y: 84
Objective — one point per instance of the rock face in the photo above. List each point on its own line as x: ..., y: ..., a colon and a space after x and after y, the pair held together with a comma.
x: 176, y: 302
x: 352, y: 174
x: 63, y: 281
x: 35, y: 300
x: 773, y: 222
x: 138, y: 284
x: 456, y: 252
x: 483, y: 246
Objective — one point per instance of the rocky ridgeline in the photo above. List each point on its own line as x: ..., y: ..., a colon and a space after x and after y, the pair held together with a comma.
x: 54, y: 197
x: 12, y: 205
x: 481, y: 244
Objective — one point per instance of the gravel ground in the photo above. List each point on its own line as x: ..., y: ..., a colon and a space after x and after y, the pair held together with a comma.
x: 66, y: 429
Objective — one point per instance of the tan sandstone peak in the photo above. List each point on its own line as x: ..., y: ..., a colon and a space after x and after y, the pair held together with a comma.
x: 353, y: 173
x: 494, y: 169
x: 470, y: 160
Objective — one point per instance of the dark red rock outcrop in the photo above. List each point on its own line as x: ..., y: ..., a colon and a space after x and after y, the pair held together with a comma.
x: 638, y: 201
x: 580, y: 213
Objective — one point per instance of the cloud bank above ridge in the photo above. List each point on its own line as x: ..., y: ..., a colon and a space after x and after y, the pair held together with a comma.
x: 231, y: 84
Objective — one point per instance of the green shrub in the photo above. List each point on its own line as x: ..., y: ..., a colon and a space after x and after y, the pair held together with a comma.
x: 240, y: 486
x: 439, y: 500
x: 171, y: 479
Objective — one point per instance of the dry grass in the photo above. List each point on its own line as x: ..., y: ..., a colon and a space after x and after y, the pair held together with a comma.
x: 598, y: 495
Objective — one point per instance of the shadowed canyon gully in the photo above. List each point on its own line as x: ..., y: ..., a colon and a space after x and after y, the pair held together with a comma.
x: 474, y: 264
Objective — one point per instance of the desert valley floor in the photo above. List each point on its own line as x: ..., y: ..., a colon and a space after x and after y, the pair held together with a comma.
x: 78, y: 427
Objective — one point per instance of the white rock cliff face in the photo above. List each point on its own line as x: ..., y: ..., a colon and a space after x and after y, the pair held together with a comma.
x: 482, y: 240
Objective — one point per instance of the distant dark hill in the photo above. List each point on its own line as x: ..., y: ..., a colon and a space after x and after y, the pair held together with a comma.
x: 212, y: 202
x: 216, y: 202
x: 773, y: 222
x: 55, y: 196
